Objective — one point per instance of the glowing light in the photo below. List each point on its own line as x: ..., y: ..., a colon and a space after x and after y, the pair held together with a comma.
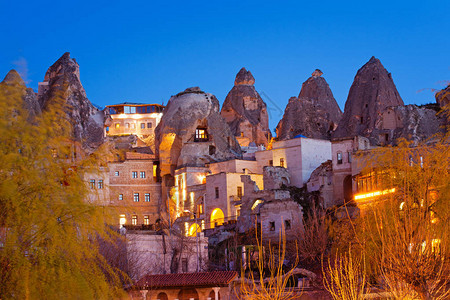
x: 202, y: 179
x: 257, y: 202
x: 122, y: 220
x: 156, y: 116
x: 217, y: 217
x: 194, y: 229
x: 374, y: 194
x: 402, y: 205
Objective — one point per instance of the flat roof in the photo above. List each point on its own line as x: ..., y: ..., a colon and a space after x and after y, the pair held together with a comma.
x: 135, y: 104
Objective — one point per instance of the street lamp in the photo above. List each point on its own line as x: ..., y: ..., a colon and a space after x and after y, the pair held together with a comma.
x: 197, y: 237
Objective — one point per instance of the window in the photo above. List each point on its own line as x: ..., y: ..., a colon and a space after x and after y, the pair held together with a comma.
x: 142, y: 174
x: 184, y: 265
x: 147, y: 197
x: 216, y: 189
x: 149, y: 125
x: 271, y: 163
x: 142, y: 125
x: 126, y: 109
x: 212, y: 150
x: 136, y: 197
x: 120, y: 197
x: 116, y: 173
x: 100, y: 184
x: 339, y: 158
x: 133, y: 125
x: 349, y: 157
x: 272, y: 226
x: 122, y: 220
x: 282, y: 162
x: 200, y: 209
x: 201, y: 135
x: 134, y: 174
x: 127, y: 125
x: 117, y: 125
x: 287, y: 224
x: 134, y: 220
x: 239, y: 192
x: 92, y: 183
x: 146, y: 220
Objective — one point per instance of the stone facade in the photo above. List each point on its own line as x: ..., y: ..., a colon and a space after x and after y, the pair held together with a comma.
x: 300, y: 156
x: 134, y: 189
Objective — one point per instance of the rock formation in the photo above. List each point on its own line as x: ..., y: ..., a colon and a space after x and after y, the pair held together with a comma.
x: 31, y: 103
x: 443, y: 97
x: 62, y: 80
x: 245, y: 112
x: 192, y: 132
x: 372, y: 91
x: 407, y: 121
x: 314, y: 113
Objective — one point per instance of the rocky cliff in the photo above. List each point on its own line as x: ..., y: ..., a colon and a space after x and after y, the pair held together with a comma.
x: 372, y: 91
x: 245, y: 111
x: 314, y: 113
x: 443, y: 96
x: 192, y: 132
x: 14, y: 81
x: 62, y: 81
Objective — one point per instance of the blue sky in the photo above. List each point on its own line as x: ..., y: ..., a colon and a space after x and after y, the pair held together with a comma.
x: 146, y: 51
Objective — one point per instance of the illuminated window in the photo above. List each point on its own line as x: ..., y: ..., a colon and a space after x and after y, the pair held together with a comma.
x: 122, y: 220
x: 117, y: 125
x: 200, y: 208
x: 116, y: 173
x: 92, y: 183
x: 201, y: 135
x: 147, y: 197
x: 339, y: 158
x: 120, y: 197
x: 149, y: 125
x: 287, y: 224
x: 272, y: 226
x: 146, y: 220
x: 282, y: 162
x: 134, y: 174
x: 100, y: 184
x: 54, y: 153
x: 136, y: 197
x: 142, y: 125
x: 134, y: 220
x: 216, y: 189
x: 239, y: 192
x: 142, y: 174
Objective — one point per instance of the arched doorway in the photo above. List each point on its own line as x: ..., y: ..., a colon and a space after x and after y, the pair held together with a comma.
x: 212, y: 295
x: 217, y: 217
x: 162, y: 296
x: 186, y: 294
x: 348, y: 192
x: 194, y: 229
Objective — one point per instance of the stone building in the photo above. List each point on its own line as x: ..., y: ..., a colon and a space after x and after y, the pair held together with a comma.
x: 135, y: 189
x: 300, y: 156
x: 133, y: 118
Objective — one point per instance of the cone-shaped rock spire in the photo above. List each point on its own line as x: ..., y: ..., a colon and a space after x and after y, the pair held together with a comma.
x: 314, y: 113
x: 372, y: 91
x: 245, y: 111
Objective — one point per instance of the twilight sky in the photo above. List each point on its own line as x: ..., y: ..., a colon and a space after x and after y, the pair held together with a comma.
x: 146, y: 51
